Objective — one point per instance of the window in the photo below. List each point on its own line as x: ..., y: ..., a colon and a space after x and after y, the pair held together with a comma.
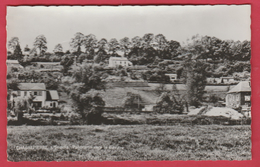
x: 40, y: 93
x: 51, y: 104
x: 25, y: 93
x: 247, y: 98
x: 18, y: 93
x: 35, y: 93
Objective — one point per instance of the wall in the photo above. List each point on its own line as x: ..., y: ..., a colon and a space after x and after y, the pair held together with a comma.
x: 48, y: 103
x: 37, y: 98
x: 233, y: 100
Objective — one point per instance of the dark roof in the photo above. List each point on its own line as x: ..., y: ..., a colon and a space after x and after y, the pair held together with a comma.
x: 31, y: 86
x: 52, y: 95
x: 243, y: 86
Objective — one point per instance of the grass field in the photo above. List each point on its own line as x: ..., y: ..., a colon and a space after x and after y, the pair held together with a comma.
x: 122, y: 142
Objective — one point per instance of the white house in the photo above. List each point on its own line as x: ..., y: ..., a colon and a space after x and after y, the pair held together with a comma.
x: 116, y: 61
x: 173, y: 77
x: 43, y: 97
x: 227, y: 80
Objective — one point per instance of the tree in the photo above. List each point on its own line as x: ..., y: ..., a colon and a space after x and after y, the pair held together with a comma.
x: 82, y: 57
x: 168, y: 103
x: 26, y: 49
x: 113, y: 45
x: 246, y: 50
x: 102, y: 44
x: 194, y: 73
x: 133, y: 101
x: 17, y: 55
x: 90, y: 44
x: 58, y: 50
x: 125, y: 45
x: 78, y: 41
x: 21, y: 104
x: 98, y: 58
x: 40, y: 43
x: 14, y: 41
x: 137, y: 42
x: 66, y: 62
x: 173, y: 48
x: 161, y: 45
x: 85, y: 78
x: 147, y: 40
x: 161, y: 42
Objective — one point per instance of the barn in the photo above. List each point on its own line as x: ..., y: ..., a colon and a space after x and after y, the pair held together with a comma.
x: 239, y: 96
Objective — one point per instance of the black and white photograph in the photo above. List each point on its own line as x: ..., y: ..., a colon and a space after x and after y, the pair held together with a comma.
x: 128, y: 83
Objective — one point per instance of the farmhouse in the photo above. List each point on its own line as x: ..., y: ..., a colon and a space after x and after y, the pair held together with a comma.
x: 239, y: 96
x: 43, y: 97
x: 116, y: 61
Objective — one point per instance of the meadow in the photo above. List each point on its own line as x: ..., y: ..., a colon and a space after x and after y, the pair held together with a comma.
x: 128, y: 142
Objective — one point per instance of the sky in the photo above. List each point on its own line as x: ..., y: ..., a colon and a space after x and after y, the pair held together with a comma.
x: 179, y: 23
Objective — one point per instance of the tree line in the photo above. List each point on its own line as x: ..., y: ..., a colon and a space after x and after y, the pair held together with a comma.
x: 149, y: 49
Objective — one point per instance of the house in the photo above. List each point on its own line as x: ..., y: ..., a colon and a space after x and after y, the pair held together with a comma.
x: 43, y: 97
x: 227, y: 80
x: 239, y: 96
x: 213, y: 80
x: 116, y: 61
x: 173, y: 77
x: 13, y: 63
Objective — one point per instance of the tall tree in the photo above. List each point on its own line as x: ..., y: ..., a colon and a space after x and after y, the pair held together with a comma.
x: 194, y: 73
x: 173, y: 48
x: 137, y: 42
x: 113, y: 45
x: 125, y: 45
x: 161, y: 42
x: 17, y: 55
x: 147, y: 40
x: 90, y: 44
x: 161, y: 45
x: 77, y: 42
x: 102, y: 44
x: 40, y: 43
x: 14, y: 41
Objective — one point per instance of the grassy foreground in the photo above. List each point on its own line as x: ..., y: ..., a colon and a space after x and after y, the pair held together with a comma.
x: 122, y: 142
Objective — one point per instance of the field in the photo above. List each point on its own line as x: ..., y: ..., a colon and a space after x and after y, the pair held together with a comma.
x: 128, y: 142
x: 114, y: 96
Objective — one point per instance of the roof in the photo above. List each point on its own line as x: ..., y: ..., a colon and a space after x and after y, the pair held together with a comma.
x: 171, y: 74
x: 31, y: 86
x: 48, y: 63
x: 243, y: 86
x: 52, y: 95
x: 227, y: 77
x: 12, y: 62
x: 118, y: 58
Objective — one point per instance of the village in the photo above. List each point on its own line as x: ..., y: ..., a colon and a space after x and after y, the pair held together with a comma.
x: 231, y: 96
x: 128, y: 83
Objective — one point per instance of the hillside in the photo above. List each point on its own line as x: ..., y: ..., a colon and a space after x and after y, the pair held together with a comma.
x: 114, y: 96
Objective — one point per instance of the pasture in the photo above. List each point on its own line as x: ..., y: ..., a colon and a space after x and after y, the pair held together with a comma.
x: 128, y: 142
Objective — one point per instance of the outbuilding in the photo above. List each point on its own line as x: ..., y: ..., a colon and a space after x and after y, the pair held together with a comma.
x: 239, y: 96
